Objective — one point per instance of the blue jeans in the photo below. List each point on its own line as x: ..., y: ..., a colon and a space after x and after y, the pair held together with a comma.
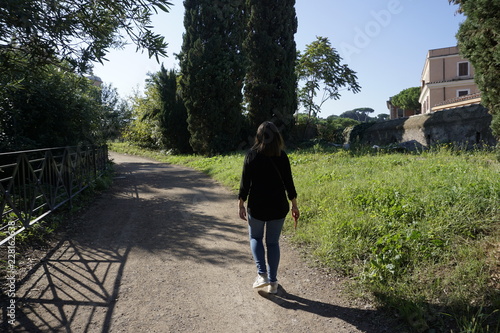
x: 273, y: 231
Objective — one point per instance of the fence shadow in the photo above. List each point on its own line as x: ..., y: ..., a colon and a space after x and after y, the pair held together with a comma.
x: 74, y: 288
x: 72, y: 281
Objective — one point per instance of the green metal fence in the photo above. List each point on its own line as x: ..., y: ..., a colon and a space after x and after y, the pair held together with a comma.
x: 34, y: 183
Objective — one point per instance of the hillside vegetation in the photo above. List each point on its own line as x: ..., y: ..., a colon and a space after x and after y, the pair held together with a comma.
x: 418, y: 233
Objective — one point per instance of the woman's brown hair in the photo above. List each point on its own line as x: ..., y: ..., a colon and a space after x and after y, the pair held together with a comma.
x: 268, y: 140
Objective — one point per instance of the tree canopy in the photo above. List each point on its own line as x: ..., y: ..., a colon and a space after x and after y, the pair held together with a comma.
x: 144, y: 128
x: 115, y: 114
x: 76, y: 31
x: 359, y: 114
x: 479, y: 42
x: 407, y: 99
x: 171, y: 114
x: 212, y: 68
x: 334, y: 129
x: 320, y: 67
x: 270, y: 83
x: 43, y: 44
x: 54, y: 108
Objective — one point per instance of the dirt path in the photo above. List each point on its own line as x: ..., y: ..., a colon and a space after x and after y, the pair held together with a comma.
x: 164, y: 251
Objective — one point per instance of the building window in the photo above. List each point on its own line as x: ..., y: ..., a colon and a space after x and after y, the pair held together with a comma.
x: 463, y: 68
x: 461, y: 93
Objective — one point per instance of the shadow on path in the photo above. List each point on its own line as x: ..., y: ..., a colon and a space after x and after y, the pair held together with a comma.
x: 151, y: 207
x: 364, y: 320
x: 71, y: 281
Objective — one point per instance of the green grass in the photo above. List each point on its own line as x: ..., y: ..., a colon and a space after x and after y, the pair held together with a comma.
x: 419, y: 233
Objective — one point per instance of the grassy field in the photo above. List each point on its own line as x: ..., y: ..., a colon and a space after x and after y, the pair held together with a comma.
x: 418, y: 233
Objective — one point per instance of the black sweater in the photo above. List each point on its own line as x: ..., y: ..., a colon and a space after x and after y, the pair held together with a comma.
x: 263, y: 181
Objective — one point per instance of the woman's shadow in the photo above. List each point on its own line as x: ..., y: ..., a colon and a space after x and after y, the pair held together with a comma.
x: 370, y: 321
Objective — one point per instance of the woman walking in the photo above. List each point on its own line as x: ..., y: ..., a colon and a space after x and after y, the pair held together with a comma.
x: 267, y: 181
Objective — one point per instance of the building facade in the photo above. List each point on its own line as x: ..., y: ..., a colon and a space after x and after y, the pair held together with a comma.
x: 447, y: 81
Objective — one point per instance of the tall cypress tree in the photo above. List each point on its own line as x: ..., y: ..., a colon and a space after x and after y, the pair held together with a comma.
x: 173, y: 116
x: 271, y: 82
x: 212, y: 73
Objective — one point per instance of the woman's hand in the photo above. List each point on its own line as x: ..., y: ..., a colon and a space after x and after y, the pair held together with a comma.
x: 243, y: 211
x: 295, y: 212
x: 295, y: 215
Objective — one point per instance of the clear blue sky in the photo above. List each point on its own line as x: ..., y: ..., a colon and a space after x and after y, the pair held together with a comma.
x: 384, y: 41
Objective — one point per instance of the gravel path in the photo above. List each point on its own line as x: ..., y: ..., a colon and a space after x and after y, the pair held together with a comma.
x: 164, y: 251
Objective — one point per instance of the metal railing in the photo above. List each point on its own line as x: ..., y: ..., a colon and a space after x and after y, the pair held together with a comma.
x: 34, y: 183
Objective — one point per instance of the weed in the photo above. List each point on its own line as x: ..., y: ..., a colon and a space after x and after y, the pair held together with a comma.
x: 476, y: 321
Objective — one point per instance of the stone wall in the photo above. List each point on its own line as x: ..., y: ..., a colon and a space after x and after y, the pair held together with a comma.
x: 469, y: 125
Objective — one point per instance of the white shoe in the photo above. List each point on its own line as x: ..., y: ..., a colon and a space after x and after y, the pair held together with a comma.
x: 261, y: 281
x: 273, y: 288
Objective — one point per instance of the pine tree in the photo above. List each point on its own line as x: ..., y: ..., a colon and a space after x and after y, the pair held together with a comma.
x: 270, y: 85
x: 212, y: 73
